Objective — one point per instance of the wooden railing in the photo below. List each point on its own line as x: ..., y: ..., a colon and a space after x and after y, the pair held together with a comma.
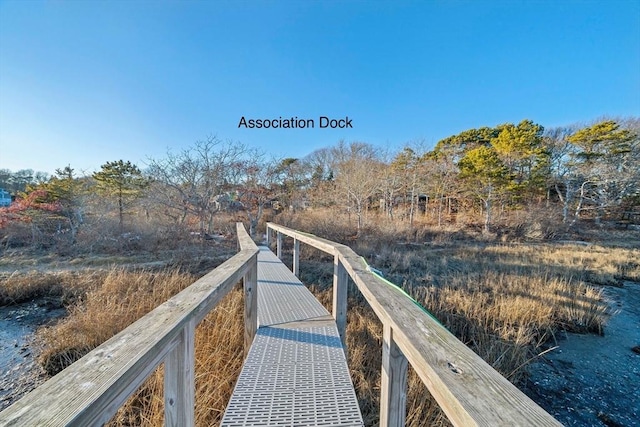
x: 90, y: 391
x: 469, y: 391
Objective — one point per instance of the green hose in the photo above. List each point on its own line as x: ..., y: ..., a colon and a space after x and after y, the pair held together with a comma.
x: 393, y: 285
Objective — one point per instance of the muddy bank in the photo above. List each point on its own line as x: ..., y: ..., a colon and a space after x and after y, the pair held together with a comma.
x: 19, y: 371
x: 593, y: 380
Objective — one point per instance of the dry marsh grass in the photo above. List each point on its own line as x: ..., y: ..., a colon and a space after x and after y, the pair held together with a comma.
x: 120, y: 299
x: 65, y: 287
x: 219, y: 356
x: 505, y: 301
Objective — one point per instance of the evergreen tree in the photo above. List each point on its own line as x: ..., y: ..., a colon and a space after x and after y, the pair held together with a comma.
x: 522, y: 151
x: 485, y: 176
x: 68, y: 191
x: 123, y: 180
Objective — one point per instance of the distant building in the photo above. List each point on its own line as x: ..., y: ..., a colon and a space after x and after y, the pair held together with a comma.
x: 5, y: 198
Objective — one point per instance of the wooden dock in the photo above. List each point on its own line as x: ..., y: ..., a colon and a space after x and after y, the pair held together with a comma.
x: 295, y: 373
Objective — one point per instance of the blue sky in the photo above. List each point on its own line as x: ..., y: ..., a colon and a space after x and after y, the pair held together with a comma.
x: 84, y: 82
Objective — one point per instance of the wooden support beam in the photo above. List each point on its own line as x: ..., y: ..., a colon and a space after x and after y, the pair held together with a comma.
x: 179, y: 380
x: 393, y: 385
x: 250, y: 285
x: 296, y: 257
x: 279, y: 245
x: 340, y: 281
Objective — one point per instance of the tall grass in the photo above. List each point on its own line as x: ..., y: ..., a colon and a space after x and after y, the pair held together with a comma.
x: 120, y: 299
x: 505, y: 301
x: 219, y: 355
x: 61, y: 288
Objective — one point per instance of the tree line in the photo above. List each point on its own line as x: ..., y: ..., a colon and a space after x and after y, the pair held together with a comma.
x: 574, y: 172
x: 590, y: 171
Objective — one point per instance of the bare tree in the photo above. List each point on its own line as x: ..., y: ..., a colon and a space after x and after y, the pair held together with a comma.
x: 392, y: 185
x: 562, y: 174
x: 606, y: 159
x: 319, y: 166
x: 357, y: 176
x: 440, y: 176
x: 408, y: 169
x: 260, y: 185
x: 187, y: 183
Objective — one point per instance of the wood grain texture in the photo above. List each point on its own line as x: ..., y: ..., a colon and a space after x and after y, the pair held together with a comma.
x: 91, y: 390
x: 179, y: 381
x: 393, y: 382
x: 340, y: 281
x: 250, y: 288
x: 245, y: 241
x: 279, y: 245
x: 296, y: 257
x: 317, y: 242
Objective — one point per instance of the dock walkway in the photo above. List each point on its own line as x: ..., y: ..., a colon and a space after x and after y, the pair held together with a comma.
x: 295, y: 373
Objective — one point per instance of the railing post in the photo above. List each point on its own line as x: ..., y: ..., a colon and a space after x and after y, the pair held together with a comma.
x: 179, y: 380
x: 268, y: 235
x: 250, y: 285
x: 393, y: 385
x: 279, y: 245
x: 296, y: 257
x: 340, y: 281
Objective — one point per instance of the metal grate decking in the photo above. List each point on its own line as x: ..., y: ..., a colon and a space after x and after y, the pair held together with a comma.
x: 282, y: 298
x: 296, y: 373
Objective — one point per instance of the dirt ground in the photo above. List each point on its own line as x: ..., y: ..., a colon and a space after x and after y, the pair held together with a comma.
x: 594, y: 380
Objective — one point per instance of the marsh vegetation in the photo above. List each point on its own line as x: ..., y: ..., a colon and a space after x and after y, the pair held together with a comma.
x: 507, y: 301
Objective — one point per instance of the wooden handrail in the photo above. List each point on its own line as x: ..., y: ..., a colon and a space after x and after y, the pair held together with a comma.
x: 468, y: 389
x: 90, y: 391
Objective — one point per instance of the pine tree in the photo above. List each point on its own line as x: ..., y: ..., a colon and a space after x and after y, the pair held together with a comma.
x: 123, y: 180
x: 485, y: 176
x: 67, y: 190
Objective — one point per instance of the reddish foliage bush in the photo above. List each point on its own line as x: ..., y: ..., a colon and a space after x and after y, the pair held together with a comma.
x: 27, y: 207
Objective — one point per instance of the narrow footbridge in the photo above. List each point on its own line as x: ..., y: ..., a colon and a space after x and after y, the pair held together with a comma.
x: 295, y: 371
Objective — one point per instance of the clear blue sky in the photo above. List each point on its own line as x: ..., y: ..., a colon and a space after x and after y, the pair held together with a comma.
x: 84, y: 82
